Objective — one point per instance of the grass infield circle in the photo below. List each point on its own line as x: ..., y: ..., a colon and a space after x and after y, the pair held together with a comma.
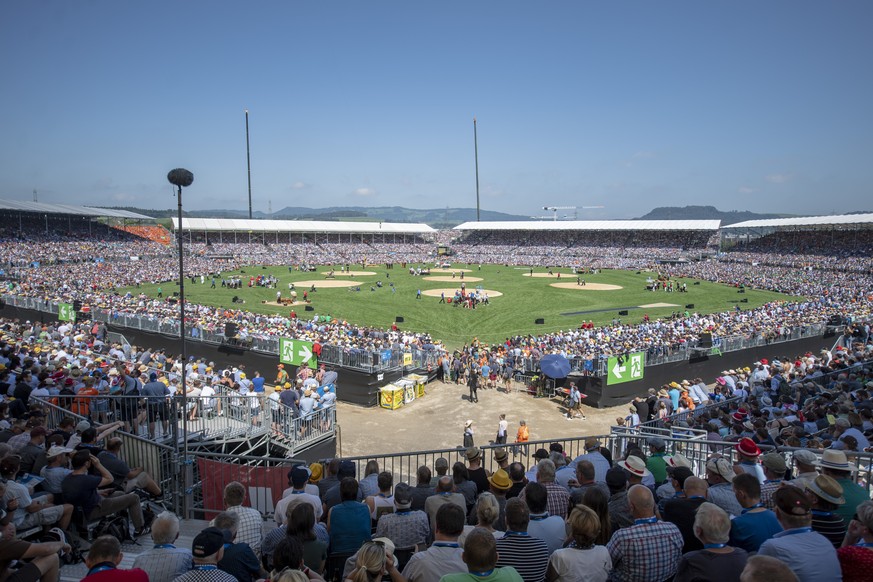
x: 587, y: 286
x: 350, y: 273
x: 323, y: 283
x: 442, y: 270
x: 451, y: 292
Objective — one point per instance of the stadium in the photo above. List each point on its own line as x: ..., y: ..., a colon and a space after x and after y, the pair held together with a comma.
x: 389, y: 323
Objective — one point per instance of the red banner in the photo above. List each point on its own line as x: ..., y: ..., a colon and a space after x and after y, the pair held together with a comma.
x: 264, y: 485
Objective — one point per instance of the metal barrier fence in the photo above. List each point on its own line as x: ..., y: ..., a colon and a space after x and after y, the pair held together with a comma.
x: 699, y: 410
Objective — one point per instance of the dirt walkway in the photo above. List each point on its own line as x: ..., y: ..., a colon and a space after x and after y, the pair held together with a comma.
x: 437, y: 420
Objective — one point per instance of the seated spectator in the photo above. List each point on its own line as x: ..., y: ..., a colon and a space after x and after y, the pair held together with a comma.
x: 333, y: 496
x: 126, y: 479
x: 289, y: 560
x: 681, y: 511
x: 516, y: 475
x: 80, y: 490
x: 40, y: 559
x: 480, y: 555
x: 28, y: 512
x: 527, y: 554
x: 423, y: 488
x: 619, y: 509
x: 164, y: 562
x: 826, y: 496
x: 382, y: 502
x: 755, y: 524
x: 348, y: 523
x: 558, y: 497
x: 649, y: 549
x: 581, y: 557
x: 585, y: 480
x: 369, y: 484
x: 301, y: 525
x: 33, y: 457
x: 238, y: 560
x: 835, y: 464
x: 207, y: 550
x: 809, y: 554
x: 766, y: 569
x: 549, y: 528
x: 373, y: 562
x: 298, y: 477
x: 103, y: 560
x: 712, y: 526
x: 250, y: 520
x: 56, y: 470
x: 487, y: 513
x: 444, y: 494
x: 444, y: 555
x: 405, y: 527
x: 856, y: 553
x: 719, y: 475
x: 272, y: 539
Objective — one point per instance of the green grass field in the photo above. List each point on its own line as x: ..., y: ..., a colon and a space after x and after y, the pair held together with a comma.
x: 524, y: 299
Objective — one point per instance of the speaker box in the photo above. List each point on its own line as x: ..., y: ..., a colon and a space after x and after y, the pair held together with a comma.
x: 230, y: 329
x: 705, y: 340
x: 623, y: 312
x: 744, y: 300
x: 539, y: 321
x: 175, y: 293
x: 308, y: 308
x: 398, y: 319
x: 689, y: 306
x: 741, y: 291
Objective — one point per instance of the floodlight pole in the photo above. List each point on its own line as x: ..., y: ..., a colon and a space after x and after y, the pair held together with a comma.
x: 179, y: 178
x: 249, y: 164
x: 476, y: 154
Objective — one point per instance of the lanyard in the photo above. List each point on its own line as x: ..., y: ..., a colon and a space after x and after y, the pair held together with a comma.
x: 772, y: 481
x: 820, y: 513
x: 515, y: 533
x: 713, y: 546
x: 482, y: 574
x: 697, y: 497
x: 748, y: 509
x: 445, y: 545
x: 101, y: 567
x: 646, y: 520
x: 162, y: 546
x: 205, y: 567
x: 539, y: 517
x: 791, y: 532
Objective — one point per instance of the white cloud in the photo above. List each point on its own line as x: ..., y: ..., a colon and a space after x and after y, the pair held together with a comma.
x: 123, y: 197
x: 745, y: 190
x: 364, y: 192
x: 644, y: 155
x: 299, y: 185
x: 777, y: 178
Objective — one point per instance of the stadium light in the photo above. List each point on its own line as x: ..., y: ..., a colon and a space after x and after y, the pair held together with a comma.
x: 182, y: 178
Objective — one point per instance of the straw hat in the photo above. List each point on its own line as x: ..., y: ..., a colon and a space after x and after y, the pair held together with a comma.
x: 634, y: 466
x: 500, y: 480
x: 836, y: 460
x: 827, y: 488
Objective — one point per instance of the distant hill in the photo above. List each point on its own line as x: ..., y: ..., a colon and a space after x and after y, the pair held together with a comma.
x: 435, y: 217
x: 706, y: 213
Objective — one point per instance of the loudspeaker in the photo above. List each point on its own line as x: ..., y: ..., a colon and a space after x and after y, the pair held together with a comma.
x: 398, y: 319
x: 175, y: 293
x: 689, y: 306
x: 705, y: 340
x: 744, y: 300
x: 539, y: 321
x: 230, y: 329
x: 308, y: 308
x: 741, y: 291
x: 623, y: 312
x: 77, y: 305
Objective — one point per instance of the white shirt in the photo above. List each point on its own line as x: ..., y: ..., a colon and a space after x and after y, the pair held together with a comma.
x: 313, y: 500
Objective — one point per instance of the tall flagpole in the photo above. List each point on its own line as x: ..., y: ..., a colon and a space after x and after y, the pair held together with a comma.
x: 476, y: 152
x: 249, y: 164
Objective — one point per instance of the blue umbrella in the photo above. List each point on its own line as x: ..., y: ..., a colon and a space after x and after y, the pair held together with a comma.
x: 555, y: 366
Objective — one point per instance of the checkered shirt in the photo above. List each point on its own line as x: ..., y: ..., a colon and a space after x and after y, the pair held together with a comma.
x: 405, y: 529
x: 558, y: 501
x: 648, y: 552
x: 164, y: 564
x: 250, y: 527
x: 767, y: 491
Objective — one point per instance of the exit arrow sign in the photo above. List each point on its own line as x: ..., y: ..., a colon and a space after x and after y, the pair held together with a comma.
x: 296, y: 352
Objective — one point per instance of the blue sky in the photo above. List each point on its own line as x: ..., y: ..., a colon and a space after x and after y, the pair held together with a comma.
x: 752, y: 105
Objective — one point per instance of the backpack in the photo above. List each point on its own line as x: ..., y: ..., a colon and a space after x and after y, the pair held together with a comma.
x: 117, y: 526
x: 132, y: 389
x: 56, y: 534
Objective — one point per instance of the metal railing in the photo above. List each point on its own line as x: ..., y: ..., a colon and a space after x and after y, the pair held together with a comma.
x: 698, y: 411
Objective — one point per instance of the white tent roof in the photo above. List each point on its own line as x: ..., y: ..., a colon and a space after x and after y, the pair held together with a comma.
x: 68, y: 209
x: 837, y: 220
x: 245, y: 225
x: 593, y: 225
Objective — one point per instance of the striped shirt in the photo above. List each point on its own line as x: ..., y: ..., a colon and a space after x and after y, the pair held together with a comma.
x: 646, y: 552
x: 527, y: 554
x: 830, y: 525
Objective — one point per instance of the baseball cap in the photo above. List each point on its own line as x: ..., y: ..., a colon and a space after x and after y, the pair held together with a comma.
x: 299, y: 476
x: 541, y: 454
x: 207, y: 542
x: 83, y: 426
x: 403, y: 496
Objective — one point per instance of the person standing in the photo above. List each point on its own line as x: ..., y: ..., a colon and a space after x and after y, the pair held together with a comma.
x: 522, y: 436
x: 502, y: 425
x: 473, y: 384
x: 468, y: 434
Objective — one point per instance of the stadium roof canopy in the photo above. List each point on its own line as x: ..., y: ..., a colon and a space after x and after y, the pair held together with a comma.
x: 245, y: 225
x: 68, y: 209
x: 838, y: 220
x: 808, y: 221
x: 593, y: 225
